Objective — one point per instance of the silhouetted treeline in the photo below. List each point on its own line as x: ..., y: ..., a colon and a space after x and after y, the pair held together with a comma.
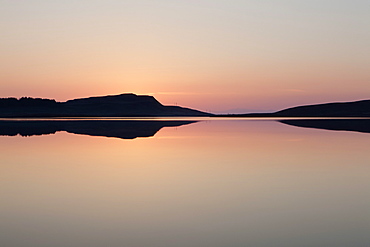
x: 26, y: 101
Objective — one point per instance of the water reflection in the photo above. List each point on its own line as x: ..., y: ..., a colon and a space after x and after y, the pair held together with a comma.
x: 125, y: 129
x: 358, y: 125
x: 215, y: 183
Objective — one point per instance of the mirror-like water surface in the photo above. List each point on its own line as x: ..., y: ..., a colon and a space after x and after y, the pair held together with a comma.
x: 208, y: 183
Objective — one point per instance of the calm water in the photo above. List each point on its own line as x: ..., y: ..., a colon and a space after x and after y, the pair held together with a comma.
x: 231, y: 183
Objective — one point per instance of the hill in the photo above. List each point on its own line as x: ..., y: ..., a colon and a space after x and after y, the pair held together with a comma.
x: 338, y: 109
x: 342, y: 109
x: 123, y: 105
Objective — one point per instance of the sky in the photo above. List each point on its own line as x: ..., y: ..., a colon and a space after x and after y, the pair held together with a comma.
x: 214, y: 55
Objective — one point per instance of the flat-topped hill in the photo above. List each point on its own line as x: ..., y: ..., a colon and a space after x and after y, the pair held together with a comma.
x: 123, y: 105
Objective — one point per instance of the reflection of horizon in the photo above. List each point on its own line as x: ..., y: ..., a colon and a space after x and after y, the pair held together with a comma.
x: 124, y: 129
x: 356, y: 125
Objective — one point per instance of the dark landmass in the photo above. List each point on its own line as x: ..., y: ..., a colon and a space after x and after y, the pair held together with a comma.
x: 342, y: 109
x: 131, y: 105
x: 124, y: 129
x: 123, y: 105
x: 358, y: 125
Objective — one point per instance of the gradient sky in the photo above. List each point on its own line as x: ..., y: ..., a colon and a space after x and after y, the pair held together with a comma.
x: 214, y: 55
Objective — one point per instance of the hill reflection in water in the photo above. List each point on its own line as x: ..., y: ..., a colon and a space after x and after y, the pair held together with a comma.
x: 124, y: 129
x: 357, y: 125
x: 215, y: 183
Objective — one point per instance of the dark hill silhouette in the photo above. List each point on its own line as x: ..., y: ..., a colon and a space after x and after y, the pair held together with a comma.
x: 339, y: 109
x: 123, y: 105
x: 358, y: 125
x: 124, y: 129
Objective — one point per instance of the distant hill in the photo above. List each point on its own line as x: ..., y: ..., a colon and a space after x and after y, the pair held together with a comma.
x: 340, y: 109
x: 123, y: 105
x: 343, y: 109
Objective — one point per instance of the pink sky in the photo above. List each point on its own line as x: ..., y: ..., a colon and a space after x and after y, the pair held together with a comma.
x: 209, y: 55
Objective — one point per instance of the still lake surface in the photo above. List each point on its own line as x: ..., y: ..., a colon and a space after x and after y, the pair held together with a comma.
x: 233, y: 183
